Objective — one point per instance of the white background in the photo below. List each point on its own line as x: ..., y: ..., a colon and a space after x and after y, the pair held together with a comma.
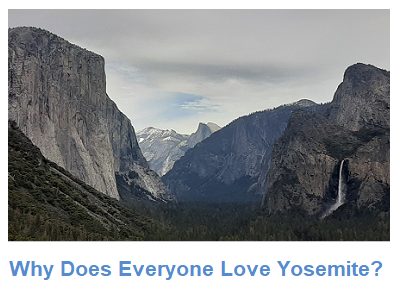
x: 273, y: 286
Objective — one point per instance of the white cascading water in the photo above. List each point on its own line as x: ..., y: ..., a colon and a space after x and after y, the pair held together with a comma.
x: 341, y: 194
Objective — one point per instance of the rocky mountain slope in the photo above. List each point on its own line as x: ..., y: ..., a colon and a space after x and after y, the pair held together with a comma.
x: 46, y: 202
x: 232, y: 164
x: 305, y: 162
x: 362, y: 99
x: 162, y: 148
x: 203, y: 131
x: 57, y: 96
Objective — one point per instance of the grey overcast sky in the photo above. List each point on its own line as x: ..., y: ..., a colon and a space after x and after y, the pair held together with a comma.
x: 176, y: 68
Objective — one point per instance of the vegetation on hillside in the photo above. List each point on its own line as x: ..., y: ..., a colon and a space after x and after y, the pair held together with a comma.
x: 45, y: 202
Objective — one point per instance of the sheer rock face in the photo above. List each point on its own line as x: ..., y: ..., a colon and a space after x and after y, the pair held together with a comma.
x: 162, y: 148
x: 362, y: 99
x: 300, y: 166
x: 370, y: 168
x: 304, y: 170
x: 57, y: 96
x: 203, y: 131
x: 232, y: 163
x: 305, y: 162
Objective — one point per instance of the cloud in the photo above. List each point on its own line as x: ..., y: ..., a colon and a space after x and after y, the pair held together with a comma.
x: 251, y: 73
x: 182, y: 106
x: 172, y: 67
x: 130, y: 73
x: 200, y: 105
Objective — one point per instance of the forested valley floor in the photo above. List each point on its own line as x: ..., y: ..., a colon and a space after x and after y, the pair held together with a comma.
x: 225, y: 221
x: 47, y: 203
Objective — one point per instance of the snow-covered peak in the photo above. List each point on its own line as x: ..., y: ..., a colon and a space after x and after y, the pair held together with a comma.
x: 162, y: 147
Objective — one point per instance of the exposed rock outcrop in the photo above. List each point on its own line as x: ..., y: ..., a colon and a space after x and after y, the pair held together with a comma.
x: 57, y: 96
x: 305, y: 162
x: 44, y: 198
x: 203, y: 131
x: 162, y: 148
x: 362, y: 99
x: 232, y: 163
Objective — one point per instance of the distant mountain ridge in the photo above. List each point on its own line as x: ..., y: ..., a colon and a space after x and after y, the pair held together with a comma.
x: 162, y: 148
x: 232, y: 164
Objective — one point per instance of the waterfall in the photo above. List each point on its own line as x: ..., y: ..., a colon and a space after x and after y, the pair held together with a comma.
x: 341, y: 193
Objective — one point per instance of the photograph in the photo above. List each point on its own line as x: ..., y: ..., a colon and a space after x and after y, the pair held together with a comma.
x: 198, y: 125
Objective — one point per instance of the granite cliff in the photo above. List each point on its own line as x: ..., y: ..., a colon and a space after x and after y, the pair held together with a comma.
x: 46, y: 202
x: 232, y: 163
x: 57, y: 96
x: 362, y: 99
x: 203, y: 131
x: 305, y: 161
